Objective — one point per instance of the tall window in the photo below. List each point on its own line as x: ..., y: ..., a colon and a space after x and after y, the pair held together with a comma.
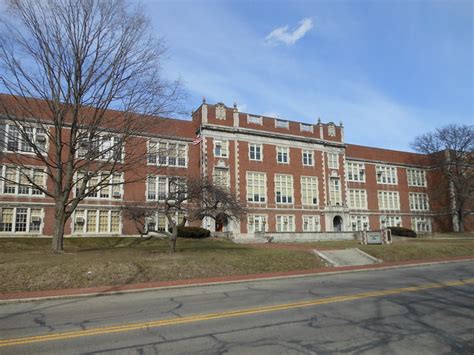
x: 309, y: 190
x: 418, y: 201
x: 421, y: 224
x: 285, y: 223
x: 359, y: 223
x: 355, y: 172
x: 283, y: 155
x: 389, y: 200
x: 358, y: 199
x: 416, y: 177
x: 221, y: 149
x: 257, y: 223
x: 21, y: 181
x: 386, y: 175
x: 159, y: 188
x: 256, y: 187
x: 12, y: 139
x: 167, y: 153
x: 333, y: 160
x: 222, y: 177
x: 283, y: 188
x: 21, y: 220
x: 308, y: 157
x: 334, y: 191
x: 97, y: 221
x: 255, y: 152
x: 311, y: 224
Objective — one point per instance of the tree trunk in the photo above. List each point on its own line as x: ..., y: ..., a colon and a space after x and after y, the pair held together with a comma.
x: 173, y: 238
x: 461, y: 221
x: 59, y: 223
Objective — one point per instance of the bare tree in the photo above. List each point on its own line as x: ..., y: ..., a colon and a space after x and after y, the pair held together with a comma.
x: 451, y: 149
x: 84, y: 81
x: 187, y: 199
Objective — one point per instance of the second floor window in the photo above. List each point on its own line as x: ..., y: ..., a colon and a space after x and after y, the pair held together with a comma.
x: 21, y: 180
x: 256, y: 187
x: 357, y: 199
x: 334, y: 191
x: 255, y: 152
x: 309, y: 190
x: 162, y: 188
x: 102, y: 185
x: 418, y: 201
x: 284, y: 188
x: 283, y: 155
x: 389, y: 200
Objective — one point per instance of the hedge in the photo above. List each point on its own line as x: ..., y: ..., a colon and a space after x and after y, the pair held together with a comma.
x: 403, y: 232
x: 193, y: 232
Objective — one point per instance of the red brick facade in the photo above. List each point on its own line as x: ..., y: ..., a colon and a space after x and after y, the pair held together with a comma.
x: 292, y: 176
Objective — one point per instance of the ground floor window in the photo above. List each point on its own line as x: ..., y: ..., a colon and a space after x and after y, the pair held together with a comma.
x: 21, y: 219
x: 390, y: 221
x: 359, y: 223
x: 311, y: 224
x: 159, y: 222
x: 285, y: 223
x: 96, y: 221
x: 257, y: 223
x: 421, y: 224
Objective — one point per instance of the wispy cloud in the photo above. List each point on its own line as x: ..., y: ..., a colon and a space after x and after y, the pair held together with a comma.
x: 282, y: 35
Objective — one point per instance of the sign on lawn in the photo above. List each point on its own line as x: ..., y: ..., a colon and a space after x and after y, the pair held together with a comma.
x: 374, y: 238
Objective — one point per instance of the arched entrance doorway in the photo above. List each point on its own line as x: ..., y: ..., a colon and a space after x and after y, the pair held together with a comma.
x: 337, y: 224
x: 221, y: 222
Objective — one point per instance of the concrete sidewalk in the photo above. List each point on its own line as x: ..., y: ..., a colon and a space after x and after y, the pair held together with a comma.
x: 141, y: 287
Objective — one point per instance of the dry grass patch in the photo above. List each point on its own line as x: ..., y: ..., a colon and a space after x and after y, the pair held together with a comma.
x: 26, y: 264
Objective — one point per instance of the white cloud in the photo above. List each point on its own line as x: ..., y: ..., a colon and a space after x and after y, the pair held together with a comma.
x: 282, y: 35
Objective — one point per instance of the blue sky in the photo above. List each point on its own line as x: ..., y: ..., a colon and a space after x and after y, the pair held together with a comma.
x: 389, y: 70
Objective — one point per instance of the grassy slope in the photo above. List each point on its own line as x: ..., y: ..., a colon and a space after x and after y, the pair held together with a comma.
x: 26, y: 264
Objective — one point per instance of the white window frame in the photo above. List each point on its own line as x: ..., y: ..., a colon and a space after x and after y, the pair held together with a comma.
x: 85, y: 211
x: 307, y: 157
x: 288, y: 197
x: 255, y: 119
x: 311, y: 223
x: 16, y: 185
x: 224, y: 150
x: 285, y: 220
x: 418, y: 221
x: 357, y: 199
x: 335, y: 191
x: 416, y: 177
x: 157, y: 216
x: 359, y: 223
x: 221, y: 177
x: 255, y: 189
x: 331, y: 130
x: 158, y: 191
x: 388, y: 200
x: 28, y: 220
x: 419, y: 201
x: 386, y: 175
x: 355, y: 171
x: 281, y: 123
x: 306, y: 127
x: 254, y: 220
x: 333, y: 160
x: 102, y: 139
x: 6, y: 127
x: 390, y: 221
x: 111, y: 186
x: 282, y: 155
x: 309, y: 190
x: 260, y: 150
x: 162, y: 156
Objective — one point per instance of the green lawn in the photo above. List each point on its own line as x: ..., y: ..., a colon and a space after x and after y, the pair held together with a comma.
x: 27, y: 264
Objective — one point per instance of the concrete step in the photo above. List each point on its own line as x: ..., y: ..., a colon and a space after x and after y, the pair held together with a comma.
x: 346, y: 257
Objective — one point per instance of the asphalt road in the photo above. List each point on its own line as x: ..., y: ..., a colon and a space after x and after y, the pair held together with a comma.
x: 418, y: 310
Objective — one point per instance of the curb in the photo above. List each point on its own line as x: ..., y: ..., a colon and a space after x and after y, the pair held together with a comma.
x: 31, y: 296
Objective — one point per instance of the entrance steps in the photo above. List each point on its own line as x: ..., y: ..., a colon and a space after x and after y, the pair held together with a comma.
x: 346, y: 257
